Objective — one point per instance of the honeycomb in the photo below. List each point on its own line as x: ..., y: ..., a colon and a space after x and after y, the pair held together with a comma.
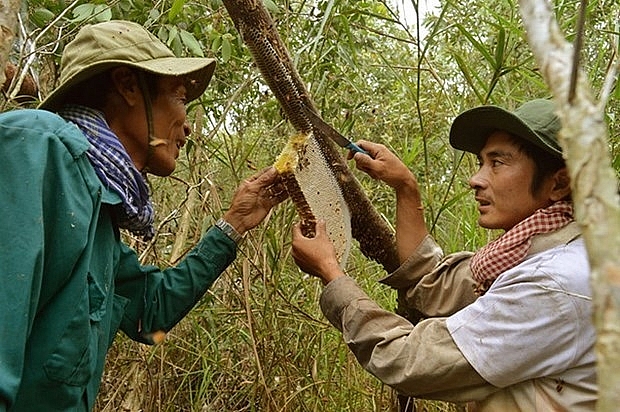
x: 315, y: 192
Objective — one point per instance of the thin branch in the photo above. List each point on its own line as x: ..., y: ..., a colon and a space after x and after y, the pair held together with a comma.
x: 611, y: 76
x: 577, y: 51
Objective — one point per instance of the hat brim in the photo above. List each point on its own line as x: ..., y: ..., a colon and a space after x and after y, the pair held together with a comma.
x: 198, y: 71
x: 471, y: 129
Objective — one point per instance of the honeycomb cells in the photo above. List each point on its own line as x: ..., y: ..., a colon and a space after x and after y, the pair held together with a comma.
x: 315, y: 192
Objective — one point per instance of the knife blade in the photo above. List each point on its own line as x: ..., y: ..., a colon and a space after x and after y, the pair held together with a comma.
x: 330, y: 132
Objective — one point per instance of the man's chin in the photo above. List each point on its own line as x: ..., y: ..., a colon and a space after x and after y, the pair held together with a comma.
x: 486, y: 224
x: 162, y: 171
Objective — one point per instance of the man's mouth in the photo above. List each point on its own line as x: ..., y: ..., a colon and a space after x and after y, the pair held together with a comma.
x: 482, y: 202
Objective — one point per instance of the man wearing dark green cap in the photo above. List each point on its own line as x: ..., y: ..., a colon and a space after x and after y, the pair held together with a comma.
x: 73, y: 174
x: 507, y: 328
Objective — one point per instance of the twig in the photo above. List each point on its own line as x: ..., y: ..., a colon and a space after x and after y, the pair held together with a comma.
x: 151, y: 243
x: 577, y: 51
x: 612, y: 73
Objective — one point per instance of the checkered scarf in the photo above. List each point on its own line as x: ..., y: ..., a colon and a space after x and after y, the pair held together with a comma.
x: 511, y: 248
x: 115, y: 170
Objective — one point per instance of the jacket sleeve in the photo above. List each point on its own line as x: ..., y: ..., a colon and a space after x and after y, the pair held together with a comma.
x: 159, y: 299
x: 431, y: 285
x: 421, y: 360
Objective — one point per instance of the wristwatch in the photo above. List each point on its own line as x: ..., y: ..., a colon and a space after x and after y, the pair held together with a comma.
x: 229, y: 230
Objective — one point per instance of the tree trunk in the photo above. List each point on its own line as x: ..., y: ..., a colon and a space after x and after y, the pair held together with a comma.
x: 584, y: 138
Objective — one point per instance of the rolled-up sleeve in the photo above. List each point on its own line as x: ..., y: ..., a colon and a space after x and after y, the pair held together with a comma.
x: 433, y: 285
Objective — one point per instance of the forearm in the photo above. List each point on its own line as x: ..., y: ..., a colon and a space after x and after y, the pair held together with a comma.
x: 410, y: 225
x: 159, y: 299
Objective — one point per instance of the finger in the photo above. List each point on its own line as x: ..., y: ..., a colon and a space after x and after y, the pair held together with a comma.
x: 257, y: 176
x: 266, y: 176
x: 279, y: 197
x: 296, y: 231
x: 277, y: 191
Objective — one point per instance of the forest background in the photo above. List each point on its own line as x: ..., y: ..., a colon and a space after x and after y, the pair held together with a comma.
x: 257, y: 341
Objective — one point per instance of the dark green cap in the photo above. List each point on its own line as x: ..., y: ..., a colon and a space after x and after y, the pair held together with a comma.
x: 101, y: 46
x: 534, y: 121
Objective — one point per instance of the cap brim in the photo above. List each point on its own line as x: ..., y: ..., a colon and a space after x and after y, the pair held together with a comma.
x: 471, y: 128
x: 198, y: 71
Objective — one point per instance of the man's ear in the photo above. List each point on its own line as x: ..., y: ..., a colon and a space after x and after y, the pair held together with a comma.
x: 561, y: 185
x: 126, y: 85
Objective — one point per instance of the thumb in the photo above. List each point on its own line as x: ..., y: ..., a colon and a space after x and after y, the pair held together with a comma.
x: 363, y: 162
x: 321, y: 228
x: 266, y: 175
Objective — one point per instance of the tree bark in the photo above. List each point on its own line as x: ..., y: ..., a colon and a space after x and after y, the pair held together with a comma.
x: 584, y: 139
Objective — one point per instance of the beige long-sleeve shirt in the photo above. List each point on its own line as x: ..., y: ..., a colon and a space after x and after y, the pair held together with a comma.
x: 447, y: 356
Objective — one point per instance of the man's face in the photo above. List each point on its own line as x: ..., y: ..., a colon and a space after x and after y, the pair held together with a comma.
x: 170, y: 128
x: 503, y: 183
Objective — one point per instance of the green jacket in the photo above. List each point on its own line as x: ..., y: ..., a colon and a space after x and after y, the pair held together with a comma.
x: 68, y: 282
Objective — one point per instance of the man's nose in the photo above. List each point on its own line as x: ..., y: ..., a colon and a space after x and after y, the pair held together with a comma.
x: 477, y: 180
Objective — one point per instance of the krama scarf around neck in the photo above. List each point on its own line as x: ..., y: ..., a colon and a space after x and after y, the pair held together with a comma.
x: 115, y: 169
x: 510, y: 249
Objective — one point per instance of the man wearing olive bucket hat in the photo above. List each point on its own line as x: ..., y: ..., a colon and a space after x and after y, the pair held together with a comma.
x: 69, y: 182
x: 507, y: 328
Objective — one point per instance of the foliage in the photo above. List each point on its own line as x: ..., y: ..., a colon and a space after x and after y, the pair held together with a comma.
x: 258, y: 341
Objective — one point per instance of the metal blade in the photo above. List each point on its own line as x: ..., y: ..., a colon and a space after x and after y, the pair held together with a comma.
x: 325, y: 128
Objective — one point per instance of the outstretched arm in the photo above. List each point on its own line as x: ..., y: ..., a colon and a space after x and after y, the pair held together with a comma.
x: 158, y: 299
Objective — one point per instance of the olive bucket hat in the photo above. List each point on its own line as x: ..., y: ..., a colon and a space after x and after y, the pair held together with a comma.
x: 101, y: 46
x: 534, y: 121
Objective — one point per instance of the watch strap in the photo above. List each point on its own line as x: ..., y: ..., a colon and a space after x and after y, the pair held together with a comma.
x: 229, y: 230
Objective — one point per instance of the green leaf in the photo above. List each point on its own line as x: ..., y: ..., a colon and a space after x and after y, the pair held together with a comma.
x: 226, y: 49
x: 177, y: 45
x: 162, y: 33
x: 83, y: 12
x: 499, y: 50
x: 103, y: 13
x: 468, y: 75
x: 172, y: 34
x: 215, y: 45
x: 41, y: 17
x: 191, y: 43
x: 154, y: 14
x: 176, y: 8
x: 271, y: 6
x: 477, y: 45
